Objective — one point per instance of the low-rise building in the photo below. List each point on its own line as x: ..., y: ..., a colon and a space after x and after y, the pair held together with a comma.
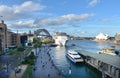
x: 26, y: 38
x: 117, y: 36
x: 23, y: 39
x: 107, y: 64
x: 13, y: 39
x: 30, y: 38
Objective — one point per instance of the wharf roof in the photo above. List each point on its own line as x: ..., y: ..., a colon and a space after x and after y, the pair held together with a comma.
x: 108, y: 59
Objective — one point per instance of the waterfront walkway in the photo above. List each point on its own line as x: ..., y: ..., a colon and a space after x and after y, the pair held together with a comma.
x: 44, y: 66
x: 20, y: 74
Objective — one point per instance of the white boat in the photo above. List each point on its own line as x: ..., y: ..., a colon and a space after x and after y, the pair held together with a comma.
x: 101, y: 52
x: 74, y: 56
x: 108, y: 50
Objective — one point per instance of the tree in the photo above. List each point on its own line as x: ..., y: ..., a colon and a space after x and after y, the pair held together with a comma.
x: 34, y: 40
x: 46, y: 41
x: 37, y: 44
x: 29, y: 59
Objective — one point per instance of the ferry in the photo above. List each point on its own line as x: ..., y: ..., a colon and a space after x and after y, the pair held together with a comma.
x: 108, y: 50
x: 102, y: 52
x: 74, y: 56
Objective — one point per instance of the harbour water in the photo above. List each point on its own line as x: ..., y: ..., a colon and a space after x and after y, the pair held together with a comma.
x: 80, y: 70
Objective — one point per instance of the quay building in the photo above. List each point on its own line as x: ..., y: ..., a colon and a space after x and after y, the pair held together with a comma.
x: 109, y: 65
x: 7, y: 38
x: 117, y: 38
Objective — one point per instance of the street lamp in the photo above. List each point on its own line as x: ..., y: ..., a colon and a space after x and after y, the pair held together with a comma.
x: 70, y: 71
x: 6, y: 68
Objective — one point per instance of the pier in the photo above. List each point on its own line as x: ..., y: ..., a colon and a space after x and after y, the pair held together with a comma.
x: 109, y: 65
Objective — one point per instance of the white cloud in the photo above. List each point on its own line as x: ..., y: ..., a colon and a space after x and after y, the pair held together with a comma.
x: 28, y: 6
x: 23, y: 24
x: 104, y: 20
x: 65, y: 19
x: 19, y: 11
x: 93, y: 2
x: 61, y: 20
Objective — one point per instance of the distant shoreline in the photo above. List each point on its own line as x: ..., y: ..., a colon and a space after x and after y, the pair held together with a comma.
x: 110, y: 41
x: 93, y: 39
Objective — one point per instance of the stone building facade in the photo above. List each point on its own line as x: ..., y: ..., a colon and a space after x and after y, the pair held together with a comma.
x: 7, y: 38
x: 3, y: 36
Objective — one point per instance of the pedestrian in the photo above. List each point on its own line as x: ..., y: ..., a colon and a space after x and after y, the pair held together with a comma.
x: 52, y: 64
x: 15, y: 73
x: 42, y: 66
x: 48, y: 75
x: 34, y: 68
x: 58, y: 74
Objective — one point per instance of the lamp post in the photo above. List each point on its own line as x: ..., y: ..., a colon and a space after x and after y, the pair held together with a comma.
x: 70, y: 71
x: 6, y: 69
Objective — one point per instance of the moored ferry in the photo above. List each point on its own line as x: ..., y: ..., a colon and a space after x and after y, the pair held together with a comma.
x: 108, y: 50
x: 74, y: 56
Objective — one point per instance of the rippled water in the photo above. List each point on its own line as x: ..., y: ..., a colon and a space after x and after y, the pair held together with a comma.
x: 89, y: 45
x: 79, y: 70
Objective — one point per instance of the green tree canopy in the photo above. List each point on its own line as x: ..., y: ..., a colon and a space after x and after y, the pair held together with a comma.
x: 46, y: 41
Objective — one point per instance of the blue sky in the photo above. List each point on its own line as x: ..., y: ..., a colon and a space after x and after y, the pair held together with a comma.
x: 75, y: 17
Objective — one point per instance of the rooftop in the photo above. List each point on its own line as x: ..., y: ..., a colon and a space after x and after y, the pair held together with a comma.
x: 108, y: 59
x: 60, y: 33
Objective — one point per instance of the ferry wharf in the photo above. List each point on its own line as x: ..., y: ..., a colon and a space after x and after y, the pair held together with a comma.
x: 109, y: 65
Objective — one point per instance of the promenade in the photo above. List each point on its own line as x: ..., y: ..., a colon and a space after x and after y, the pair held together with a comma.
x: 44, y: 67
x: 18, y: 75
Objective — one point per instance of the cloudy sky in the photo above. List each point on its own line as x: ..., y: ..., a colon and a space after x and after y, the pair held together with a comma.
x: 75, y: 17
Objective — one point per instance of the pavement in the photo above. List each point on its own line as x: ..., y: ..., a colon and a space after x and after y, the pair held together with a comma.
x: 5, y: 61
x: 44, y: 67
x: 20, y: 74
